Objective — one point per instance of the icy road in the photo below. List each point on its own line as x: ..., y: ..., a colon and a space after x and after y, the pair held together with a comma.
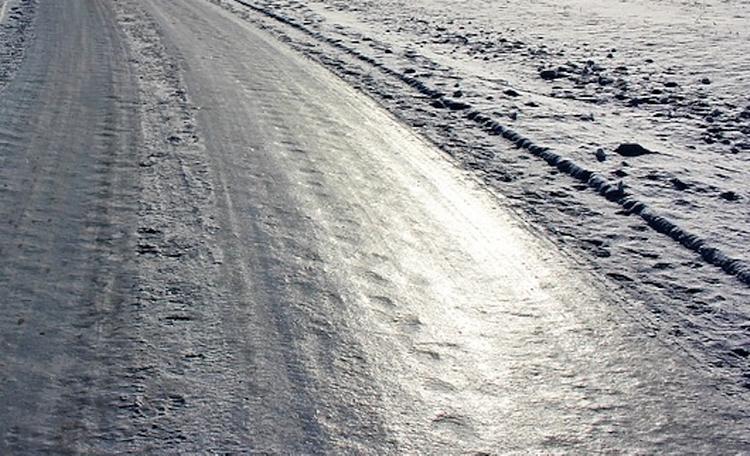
x: 212, y: 245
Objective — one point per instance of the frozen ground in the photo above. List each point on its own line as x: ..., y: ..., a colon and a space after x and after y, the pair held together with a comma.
x: 577, y: 77
x: 210, y: 244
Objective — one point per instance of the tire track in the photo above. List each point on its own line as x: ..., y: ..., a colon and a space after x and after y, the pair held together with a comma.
x: 16, y: 31
x: 67, y: 196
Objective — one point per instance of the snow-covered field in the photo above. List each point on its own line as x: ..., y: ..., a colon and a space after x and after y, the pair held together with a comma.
x: 579, y: 77
x: 672, y: 76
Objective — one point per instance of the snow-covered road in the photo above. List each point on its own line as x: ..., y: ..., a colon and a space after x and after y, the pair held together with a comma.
x: 211, y: 244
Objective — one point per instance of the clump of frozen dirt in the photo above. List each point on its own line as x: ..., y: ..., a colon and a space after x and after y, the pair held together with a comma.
x: 483, y: 82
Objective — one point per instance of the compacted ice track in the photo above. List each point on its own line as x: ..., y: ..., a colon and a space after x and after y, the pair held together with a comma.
x: 211, y: 245
x: 67, y: 196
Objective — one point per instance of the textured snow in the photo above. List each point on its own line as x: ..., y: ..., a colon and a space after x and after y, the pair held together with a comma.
x: 669, y: 76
